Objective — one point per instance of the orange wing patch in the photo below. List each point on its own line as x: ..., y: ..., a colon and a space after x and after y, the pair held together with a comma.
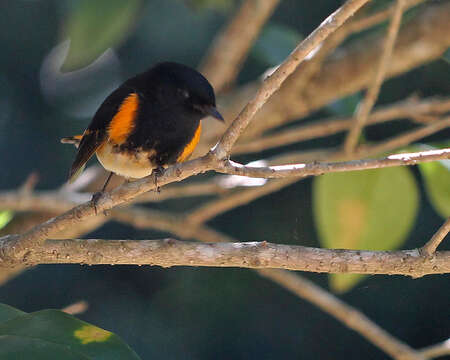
x: 122, y: 124
x: 189, y: 149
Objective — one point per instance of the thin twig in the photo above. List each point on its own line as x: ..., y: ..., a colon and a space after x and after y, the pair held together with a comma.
x: 30, y: 183
x: 403, y: 139
x: 230, y: 48
x: 351, y: 317
x: 436, y: 350
x: 430, y: 247
x: 76, y: 308
x: 345, y: 72
x: 357, y: 25
x: 234, y: 200
x: 410, y: 108
x: 372, y: 93
x: 319, y: 168
x: 272, y: 83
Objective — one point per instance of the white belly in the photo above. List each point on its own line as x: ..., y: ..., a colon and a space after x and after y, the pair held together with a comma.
x: 134, y: 166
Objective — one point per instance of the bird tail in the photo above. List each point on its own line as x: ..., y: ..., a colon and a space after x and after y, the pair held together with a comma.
x: 75, y: 140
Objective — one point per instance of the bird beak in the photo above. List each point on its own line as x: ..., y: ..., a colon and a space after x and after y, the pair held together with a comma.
x: 212, y: 111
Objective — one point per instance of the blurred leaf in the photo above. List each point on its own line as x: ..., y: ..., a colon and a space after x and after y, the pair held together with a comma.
x: 275, y: 43
x: 95, y: 26
x: 446, y: 55
x: 436, y: 177
x: 8, y: 312
x: 56, y: 333
x: 5, y: 218
x: 346, y: 106
x: 370, y: 210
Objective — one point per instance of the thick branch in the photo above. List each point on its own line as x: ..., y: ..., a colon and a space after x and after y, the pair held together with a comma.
x: 20, y: 244
x: 256, y: 255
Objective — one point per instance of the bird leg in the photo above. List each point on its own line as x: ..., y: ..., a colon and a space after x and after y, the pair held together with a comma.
x: 159, y: 171
x: 98, y: 194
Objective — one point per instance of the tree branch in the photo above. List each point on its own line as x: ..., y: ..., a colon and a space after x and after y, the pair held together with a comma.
x: 437, y: 350
x: 272, y: 83
x: 215, y: 207
x: 255, y: 255
x: 21, y: 244
x: 366, y: 106
x: 430, y: 247
x: 410, y: 108
x: 347, y: 71
x: 403, y: 139
x: 349, y: 316
x: 320, y: 168
x: 126, y: 192
x: 229, y: 50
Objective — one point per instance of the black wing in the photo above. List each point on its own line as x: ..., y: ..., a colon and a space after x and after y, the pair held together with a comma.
x: 97, y: 132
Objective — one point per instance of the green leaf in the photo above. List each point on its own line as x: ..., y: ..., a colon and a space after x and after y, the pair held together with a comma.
x: 370, y: 210
x: 81, y: 339
x: 8, y: 312
x: 95, y: 26
x: 436, y: 177
x: 16, y: 347
x: 275, y: 43
x: 5, y: 218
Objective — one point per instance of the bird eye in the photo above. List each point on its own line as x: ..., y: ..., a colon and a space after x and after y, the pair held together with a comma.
x: 183, y: 93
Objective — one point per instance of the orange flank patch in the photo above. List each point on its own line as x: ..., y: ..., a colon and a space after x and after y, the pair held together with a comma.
x: 122, y: 124
x: 189, y: 149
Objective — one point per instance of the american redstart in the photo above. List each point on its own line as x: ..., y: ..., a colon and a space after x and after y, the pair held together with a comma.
x: 151, y: 121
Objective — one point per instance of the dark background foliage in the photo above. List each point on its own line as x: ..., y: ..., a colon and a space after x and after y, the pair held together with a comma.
x: 195, y: 313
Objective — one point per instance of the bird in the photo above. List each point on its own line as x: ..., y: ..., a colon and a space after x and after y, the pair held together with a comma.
x: 151, y: 121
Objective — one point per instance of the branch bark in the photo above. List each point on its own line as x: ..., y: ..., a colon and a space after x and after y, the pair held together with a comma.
x: 254, y: 255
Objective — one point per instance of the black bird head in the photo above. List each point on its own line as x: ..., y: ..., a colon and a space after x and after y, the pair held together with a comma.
x: 182, y: 85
